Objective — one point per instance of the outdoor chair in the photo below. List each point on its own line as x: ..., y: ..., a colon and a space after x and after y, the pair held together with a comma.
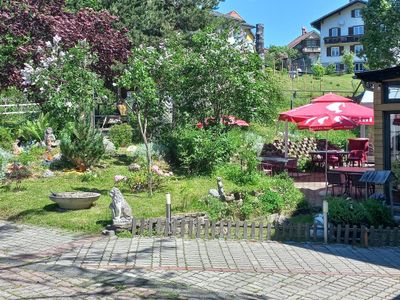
x: 335, y: 180
x: 266, y: 168
x: 355, y: 156
x: 291, y: 166
x: 333, y: 160
x: 358, y: 151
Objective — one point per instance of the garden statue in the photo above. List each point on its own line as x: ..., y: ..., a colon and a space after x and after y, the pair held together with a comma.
x: 220, y: 193
x: 50, y: 139
x: 121, y: 211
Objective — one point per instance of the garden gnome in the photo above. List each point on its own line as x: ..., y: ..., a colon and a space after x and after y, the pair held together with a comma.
x: 50, y: 139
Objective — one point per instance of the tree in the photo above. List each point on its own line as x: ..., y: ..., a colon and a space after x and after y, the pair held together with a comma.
x: 26, y: 26
x: 76, y: 5
x: 318, y: 71
x: 348, y: 61
x: 151, y: 21
x: 382, y: 33
x: 220, y: 79
x: 278, y: 54
x: 140, y: 77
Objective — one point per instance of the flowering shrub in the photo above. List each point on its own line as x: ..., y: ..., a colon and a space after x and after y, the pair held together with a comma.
x: 64, y: 81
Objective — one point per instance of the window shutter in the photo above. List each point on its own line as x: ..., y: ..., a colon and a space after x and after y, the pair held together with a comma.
x: 330, y: 32
x: 339, y: 32
x: 329, y: 51
x: 351, y: 31
x: 341, y: 50
x: 352, y: 48
x: 353, y: 13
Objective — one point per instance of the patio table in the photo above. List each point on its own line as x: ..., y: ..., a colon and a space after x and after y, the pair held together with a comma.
x: 350, y: 170
x: 278, y: 162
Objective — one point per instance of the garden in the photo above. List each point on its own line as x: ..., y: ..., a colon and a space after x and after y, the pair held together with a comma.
x: 80, y: 65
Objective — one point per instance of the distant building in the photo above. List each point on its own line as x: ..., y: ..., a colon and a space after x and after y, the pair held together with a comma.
x: 340, y: 31
x: 245, y: 35
x: 308, y: 45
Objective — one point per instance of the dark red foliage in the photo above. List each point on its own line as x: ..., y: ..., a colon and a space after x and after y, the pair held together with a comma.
x: 31, y: 23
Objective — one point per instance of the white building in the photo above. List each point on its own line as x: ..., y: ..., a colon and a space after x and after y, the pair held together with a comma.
x: 340, y: 32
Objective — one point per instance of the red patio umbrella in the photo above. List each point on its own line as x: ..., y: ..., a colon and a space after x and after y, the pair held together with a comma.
x: 327, y: 122
x: 333, y: 105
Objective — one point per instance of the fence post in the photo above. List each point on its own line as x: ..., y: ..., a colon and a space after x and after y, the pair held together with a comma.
x: 133, y: 229
x: 206, y: 229
x: 228, y: 234
x: 198, y: 228
x: 183, y: 228
x: 338, y: 233
x: 260, y: 232
x: 245, y: 230
x: 364, y: 236
x: 346, y: 233
x: 268, y: 231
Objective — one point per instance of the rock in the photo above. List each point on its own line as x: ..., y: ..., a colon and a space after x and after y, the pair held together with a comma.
x: 109, y: 147
x: 214, y: 193
x: 121, y: 211
x: 48, y: 174
x: 131, y: 149
x: 134, y: 167
x: 119, y: 178
x: 157, y: 170
x: 108, y: 232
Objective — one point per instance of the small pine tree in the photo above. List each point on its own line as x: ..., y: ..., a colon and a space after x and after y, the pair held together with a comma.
x: 82, y: 145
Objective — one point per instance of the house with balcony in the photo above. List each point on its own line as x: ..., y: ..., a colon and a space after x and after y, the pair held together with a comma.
x: 308, y: 46
x: 244, y: 31
x: 341, y: 31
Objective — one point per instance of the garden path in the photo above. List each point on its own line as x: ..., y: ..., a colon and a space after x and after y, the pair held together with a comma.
x: 40, y: 263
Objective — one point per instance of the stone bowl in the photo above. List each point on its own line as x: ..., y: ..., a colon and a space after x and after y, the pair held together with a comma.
x: 74, y: 200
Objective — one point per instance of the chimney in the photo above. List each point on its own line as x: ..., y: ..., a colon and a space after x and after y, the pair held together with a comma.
x: 303, y: 30
x: 260, y: 39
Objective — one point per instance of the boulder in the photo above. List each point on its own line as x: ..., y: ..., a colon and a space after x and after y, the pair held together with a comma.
x: 134, y: 167
x: 109, y: 146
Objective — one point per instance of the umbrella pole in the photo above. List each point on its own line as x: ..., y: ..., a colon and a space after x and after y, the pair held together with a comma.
x: 286, y: 139
x: 326, y: 166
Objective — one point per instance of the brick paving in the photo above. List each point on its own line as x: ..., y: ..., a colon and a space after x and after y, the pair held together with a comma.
x: 41, y: 263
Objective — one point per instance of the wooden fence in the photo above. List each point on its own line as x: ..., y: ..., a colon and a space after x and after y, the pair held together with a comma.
x: 204, y: 229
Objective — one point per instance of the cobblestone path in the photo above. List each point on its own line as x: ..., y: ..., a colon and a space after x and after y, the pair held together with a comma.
x: 41, y: 263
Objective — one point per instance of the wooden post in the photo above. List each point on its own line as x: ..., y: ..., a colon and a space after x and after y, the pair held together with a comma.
x: 245, y: 230
x: 339, y: 233
x: 183, y: 228
x: 253, y: 230
x: 237, y: 229
x: 228, y: 233
x: 190, y: 230
x: 346, y: 234
x: 133, y: 229
x: 260, y: 232
x: 364, y: 236
x: 206, y: 229
x: 268, y: 231
x: 198, y: 228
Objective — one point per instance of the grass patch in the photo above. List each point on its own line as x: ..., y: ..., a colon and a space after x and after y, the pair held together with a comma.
x: 32, y: 204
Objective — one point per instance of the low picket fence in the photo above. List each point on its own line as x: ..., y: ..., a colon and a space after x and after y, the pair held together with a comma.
x: 258, y: 231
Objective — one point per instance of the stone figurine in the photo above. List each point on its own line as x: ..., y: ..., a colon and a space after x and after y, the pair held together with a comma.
x: 121, y: 211
x: 50, y: 139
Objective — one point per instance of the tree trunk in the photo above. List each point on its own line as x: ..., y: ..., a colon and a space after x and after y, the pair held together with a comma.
x: 143, y: 131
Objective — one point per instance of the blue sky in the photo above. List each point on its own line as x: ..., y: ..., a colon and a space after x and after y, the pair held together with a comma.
x: 283, y: 19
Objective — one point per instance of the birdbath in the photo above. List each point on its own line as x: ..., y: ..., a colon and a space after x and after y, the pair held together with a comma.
x: 74, y: 200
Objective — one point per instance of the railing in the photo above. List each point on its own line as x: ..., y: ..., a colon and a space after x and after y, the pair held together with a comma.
x: 342, y: 39
x: 258, y: 231
x: 311, y: 50
x: 9, y: 107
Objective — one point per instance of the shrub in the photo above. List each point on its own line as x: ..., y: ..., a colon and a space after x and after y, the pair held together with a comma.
x: 198, y: 151
x: 318, y: 71
x: 82, y: 145
x: 272, y: 202
x: 330, y: 69
x: 234, y: 173
x: 6, y: 139
x: 121, y: 135
x: 370, y: 212
x: 17, y: 173
x: 137, y: 181
x: 34, y: 130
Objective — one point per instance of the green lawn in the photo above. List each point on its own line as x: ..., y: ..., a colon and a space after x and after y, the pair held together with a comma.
x: 307, y: 87
x: 32, y: 205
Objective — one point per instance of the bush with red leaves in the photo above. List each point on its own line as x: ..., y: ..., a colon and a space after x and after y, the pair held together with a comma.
x: 26, y: 25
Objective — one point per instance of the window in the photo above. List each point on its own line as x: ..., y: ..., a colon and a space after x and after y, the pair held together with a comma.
x: 334, y: 32
x: 339, y: 67
x: 392, y: 92
x: 335, y: 51
x: 358, y: 49
x: 311, y: 43
x: 356, y: 13
x: 358, y: 67
x: 358, y: 30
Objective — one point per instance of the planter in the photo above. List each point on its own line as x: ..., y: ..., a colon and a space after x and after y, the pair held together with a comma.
x: 74, y: 200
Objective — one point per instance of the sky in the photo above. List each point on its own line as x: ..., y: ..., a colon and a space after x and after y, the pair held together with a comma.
x: 282, y: 19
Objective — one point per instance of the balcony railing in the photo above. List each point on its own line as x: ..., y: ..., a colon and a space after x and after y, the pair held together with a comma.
x: 311, y: 50
x: 342, y: 39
